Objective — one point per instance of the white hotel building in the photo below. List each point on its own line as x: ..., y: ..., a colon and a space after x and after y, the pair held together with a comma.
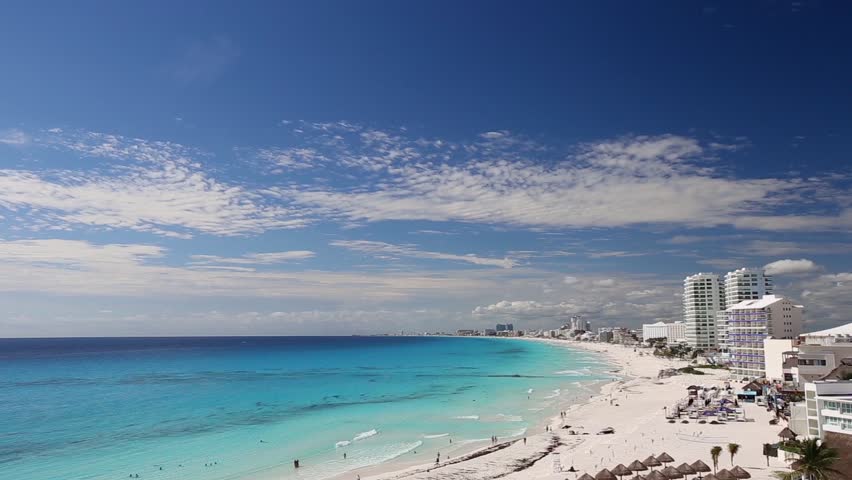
x: 746, y: 284
x: 828, y: 408
x: 751, y: 322
x: 740, y: 285
x: 672, y: 332
x: 703, y: 298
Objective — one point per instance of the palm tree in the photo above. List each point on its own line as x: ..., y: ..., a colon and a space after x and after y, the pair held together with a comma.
x: 814, y: 462
x: 733, y: 449
x: 714, y: 454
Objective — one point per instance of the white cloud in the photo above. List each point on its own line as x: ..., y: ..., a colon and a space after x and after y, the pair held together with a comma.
x: 644, y: 293
x: 569, y: 280
x: 153, y: 187
x: 842, y: 222
x: 76, y: 254
x: 14, y: 137
x: 500, y: 180
x: 684, y: 239
x: 827, y: 298
x: 614, y: 254
x: 784, y: 267
x: 773, y: 248
x: 387, y: 250
x: 79, y: 268
x: 605, y: 282
x: 268, y: 258
x: 284, y: 159
x: 527, y: 308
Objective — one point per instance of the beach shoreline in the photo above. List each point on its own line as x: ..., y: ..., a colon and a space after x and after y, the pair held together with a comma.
x: 456, y: 455
x: 633, y: 405
x: 461, y: 453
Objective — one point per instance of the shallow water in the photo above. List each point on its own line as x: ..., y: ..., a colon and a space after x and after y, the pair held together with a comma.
x: 216, y: 408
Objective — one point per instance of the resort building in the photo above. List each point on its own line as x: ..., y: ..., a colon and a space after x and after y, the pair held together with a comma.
x: 722, y: 331
x: 740, y: 285
x: 672, y: 332
x: 624, y: 336
x: 828, y: 408
x: 703, y: 298
x: 775, y: 362
x: 751, y: 322
x: 816, y: 355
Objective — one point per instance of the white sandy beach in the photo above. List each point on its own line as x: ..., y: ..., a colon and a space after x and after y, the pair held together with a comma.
x: 632, y: 406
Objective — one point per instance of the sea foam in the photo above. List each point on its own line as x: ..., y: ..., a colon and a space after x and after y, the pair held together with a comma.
x: 467, y: 417
x: 367, y: 434
x: 437, y: 435
x: 509, y: 418
x: 555, y: 394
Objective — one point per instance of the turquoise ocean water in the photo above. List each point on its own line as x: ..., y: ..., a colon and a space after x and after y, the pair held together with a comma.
x: 229, y: 408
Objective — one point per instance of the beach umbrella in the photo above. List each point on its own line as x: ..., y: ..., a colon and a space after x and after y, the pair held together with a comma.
x: 740, y: 472
x: 637, y: 466
x: 586, y: 476
x: 709, y: 476
x: 665, y: 458
x: 605, y: 475
x: 671, y: 472
x: 725, y: 475
x: 700, y: 467
x: 652, y: 462
x: 620, y: 470
x: 654, y: 475
x: 787, y: 434
x: 686, y: 469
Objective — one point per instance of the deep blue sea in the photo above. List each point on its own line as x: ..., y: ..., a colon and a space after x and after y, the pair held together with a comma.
x: 236, y: 407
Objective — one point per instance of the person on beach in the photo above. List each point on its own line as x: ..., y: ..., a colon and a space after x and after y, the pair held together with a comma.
x: 525, y: 440
x: 344, y: 455
x: 296, y: 463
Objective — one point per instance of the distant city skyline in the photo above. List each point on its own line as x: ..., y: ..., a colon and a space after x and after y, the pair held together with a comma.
x: 296, y: 169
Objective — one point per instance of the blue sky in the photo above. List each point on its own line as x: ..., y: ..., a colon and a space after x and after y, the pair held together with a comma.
x: 359, y: 167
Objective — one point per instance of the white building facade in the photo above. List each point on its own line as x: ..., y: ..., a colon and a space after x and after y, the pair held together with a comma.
x: 740, y: 285
x: 703, y: 298
x: 816, y: 355
x: 746, y: 284
x: 828, y: 407
x: 751, y: 322
x: 672, y: 332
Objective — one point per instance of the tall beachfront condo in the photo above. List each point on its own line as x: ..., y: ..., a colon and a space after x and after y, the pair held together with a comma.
x: 746, y: 284
x: 752, y: 321
x: 703, y: 297
x: 740, y: 285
